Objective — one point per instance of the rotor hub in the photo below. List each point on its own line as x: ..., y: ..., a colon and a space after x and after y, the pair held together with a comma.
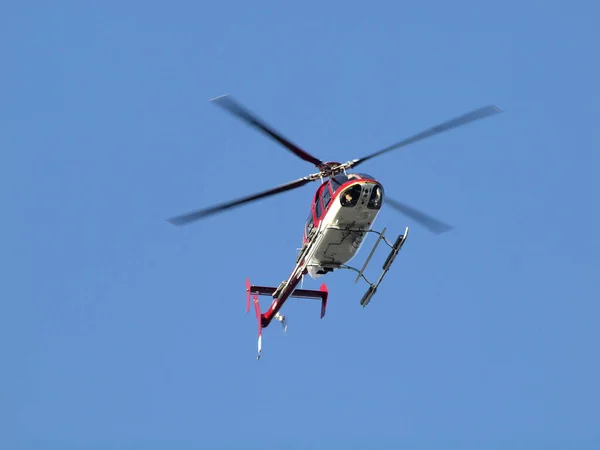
x: 329, y: 169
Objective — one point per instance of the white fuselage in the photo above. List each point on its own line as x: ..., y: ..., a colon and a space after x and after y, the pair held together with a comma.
x: 339, y: 235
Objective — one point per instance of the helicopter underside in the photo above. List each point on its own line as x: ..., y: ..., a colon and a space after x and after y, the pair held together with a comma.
x: 340, y: 237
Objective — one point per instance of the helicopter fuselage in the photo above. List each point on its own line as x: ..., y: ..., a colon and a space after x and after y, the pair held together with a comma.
x: 343, y: 210
x: 342, y: 213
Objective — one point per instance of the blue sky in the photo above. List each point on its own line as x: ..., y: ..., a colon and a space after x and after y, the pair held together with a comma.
x: 121, y: 331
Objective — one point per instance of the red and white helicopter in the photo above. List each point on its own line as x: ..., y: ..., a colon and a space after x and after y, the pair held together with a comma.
x: 342, y: 212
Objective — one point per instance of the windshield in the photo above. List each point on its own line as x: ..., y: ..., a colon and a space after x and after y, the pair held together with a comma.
x: 337, y: 181
x: 365, y: 175
x: 340, y: 179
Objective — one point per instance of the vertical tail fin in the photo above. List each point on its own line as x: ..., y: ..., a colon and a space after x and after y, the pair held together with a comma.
x: 258, y: 317
x: 248, y: 285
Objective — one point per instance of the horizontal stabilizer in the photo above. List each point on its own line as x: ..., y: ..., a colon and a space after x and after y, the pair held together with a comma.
x: 321, y: 294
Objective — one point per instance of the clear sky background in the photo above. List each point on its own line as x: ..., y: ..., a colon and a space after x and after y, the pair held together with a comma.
x: 121, y: 331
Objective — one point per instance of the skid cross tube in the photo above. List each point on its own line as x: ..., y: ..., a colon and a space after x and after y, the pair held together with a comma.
x: 396, y: 246
x: 370, y: 255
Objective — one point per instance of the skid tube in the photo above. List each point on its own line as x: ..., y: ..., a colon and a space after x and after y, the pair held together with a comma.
x: 253, y: 292
x: 396, y: 246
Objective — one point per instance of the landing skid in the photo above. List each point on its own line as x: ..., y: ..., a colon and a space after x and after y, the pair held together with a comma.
x: 396, y: 246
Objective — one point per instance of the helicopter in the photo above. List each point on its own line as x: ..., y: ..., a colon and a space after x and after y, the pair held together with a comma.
x: 342, y: 213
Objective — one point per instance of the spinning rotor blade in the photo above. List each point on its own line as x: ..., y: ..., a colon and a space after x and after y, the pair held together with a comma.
x: 227, y: 103
x: 445, y: 126
x: 433, y: 225
x: 195, y: 215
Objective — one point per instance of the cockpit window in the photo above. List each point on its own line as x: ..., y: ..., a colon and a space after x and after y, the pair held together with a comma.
x: 376, y: 198
x: 337, y: 181
x: 310, y: 224
x: 340, y: 179
x: 350, y: 196
x: 318, y: 209
x: 326, y: 196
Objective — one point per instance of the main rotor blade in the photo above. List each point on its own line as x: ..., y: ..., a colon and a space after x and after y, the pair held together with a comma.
x: 227, y: 103
x: 479, y: 113
x: 199, y: 214
x: 434, y: 225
